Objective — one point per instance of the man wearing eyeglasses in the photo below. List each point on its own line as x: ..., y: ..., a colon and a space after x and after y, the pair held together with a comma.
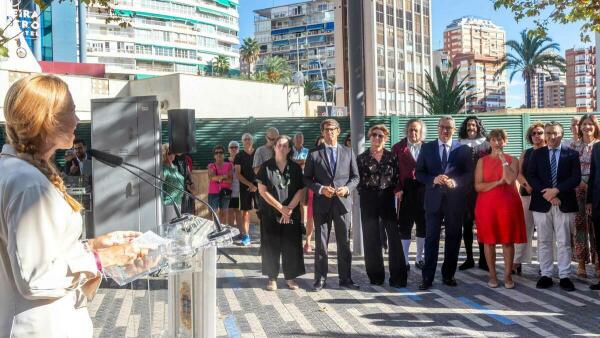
x: 446, y: 169
x: 331, y: 173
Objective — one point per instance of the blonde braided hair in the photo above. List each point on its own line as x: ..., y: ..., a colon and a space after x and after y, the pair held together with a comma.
x: 35, y: 109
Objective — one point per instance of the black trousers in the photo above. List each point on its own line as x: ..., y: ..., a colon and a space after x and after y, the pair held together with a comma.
x: 376, y: 210
x: 323, y: 223
x: 452, y: 217
x: 468, y: 222
x: 411, y: 209
x: 281, y: 241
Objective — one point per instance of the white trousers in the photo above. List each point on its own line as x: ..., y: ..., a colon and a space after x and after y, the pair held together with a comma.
x: 523, y: 251
x: 557, y: 224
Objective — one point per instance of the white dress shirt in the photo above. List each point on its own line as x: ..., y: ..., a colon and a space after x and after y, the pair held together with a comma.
x: 43, y: 264
x: 414, y: 148
x: 441, y: 148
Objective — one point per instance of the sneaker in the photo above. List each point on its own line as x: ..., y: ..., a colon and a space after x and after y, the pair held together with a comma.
x: 245, y: 240
x: 271, y: 285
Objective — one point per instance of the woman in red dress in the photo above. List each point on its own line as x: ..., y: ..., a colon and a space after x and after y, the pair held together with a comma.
x: 499, y: 212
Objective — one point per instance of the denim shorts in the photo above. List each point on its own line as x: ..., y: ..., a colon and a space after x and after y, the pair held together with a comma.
x: 218, y: 202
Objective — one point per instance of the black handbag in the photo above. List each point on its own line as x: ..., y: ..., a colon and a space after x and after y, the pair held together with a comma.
x: 225, y: 193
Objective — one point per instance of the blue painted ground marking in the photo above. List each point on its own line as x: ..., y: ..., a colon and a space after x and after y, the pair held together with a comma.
x: 486, y: 311
x: 231, y: 327
x: 410, y: 294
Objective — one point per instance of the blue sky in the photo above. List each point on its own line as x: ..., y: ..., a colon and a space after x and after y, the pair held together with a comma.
x: 443, y: 12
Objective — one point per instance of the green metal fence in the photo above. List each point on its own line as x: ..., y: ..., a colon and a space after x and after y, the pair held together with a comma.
x: 210, y: 132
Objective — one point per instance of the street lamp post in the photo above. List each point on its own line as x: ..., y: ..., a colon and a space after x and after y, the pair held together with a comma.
x: 319, y: 61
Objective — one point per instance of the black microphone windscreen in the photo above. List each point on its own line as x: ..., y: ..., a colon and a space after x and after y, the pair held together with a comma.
x: 110, y: 159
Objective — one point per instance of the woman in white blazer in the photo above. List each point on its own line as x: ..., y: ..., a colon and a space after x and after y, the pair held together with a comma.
x: 46, y: 273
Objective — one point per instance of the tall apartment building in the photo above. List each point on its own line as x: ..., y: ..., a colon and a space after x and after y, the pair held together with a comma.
x: 302, y: 33
x: 397, y: 52
x: 475, y: 45
x: 183, y: 36
x: 538, y: 84
x: 441, y: 59
x: 581, y: 79
x: 554, y: 94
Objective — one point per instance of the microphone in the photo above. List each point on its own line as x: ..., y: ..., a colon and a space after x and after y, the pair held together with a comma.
x: 106, y: 158
x: 111, y: 162
x: 117, y: 161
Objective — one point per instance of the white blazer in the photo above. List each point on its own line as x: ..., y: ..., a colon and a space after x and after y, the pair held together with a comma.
x: 43, y: 264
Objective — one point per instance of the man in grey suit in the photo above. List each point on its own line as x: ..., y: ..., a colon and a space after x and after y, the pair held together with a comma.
x: 332, y: 174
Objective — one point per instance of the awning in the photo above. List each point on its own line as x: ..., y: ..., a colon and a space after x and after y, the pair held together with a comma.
x: 297, y: 29
x: 315, y: 27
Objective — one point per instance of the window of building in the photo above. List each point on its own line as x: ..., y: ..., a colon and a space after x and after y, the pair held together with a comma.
x: 379, y: 13
x: 390, y: 15
x: 399, y: 18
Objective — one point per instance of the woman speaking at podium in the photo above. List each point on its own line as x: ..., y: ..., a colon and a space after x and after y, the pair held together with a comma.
x: 47, y: 274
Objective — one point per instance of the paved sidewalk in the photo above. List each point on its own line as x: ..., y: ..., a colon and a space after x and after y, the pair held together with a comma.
x: 472, y: 309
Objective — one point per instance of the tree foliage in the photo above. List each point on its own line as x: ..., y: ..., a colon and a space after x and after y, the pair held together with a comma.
x: 276, y: 69
x: 221, y: 65
x: 249, y: 52
x: 560, y: 11
x: 531, y: 55
x: 444, y: 94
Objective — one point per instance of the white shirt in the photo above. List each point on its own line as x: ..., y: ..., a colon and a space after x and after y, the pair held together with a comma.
x: 441, y: 149
x: 43, y: 264
x: 414, y: 148
x: 472, y: 143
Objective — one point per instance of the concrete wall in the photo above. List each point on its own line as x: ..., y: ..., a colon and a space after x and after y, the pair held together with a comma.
x: 83, y: 89
x: 221, y: 97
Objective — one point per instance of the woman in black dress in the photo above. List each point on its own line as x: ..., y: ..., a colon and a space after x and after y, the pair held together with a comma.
x: 378, y: 169
x: 281, y: 188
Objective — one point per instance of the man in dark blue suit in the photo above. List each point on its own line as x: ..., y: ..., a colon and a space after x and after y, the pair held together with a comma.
x: 446, y: 169
x: 593, y: 198
x: 553, y: 173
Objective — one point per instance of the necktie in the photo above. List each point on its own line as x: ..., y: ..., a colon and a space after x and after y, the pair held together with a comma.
x: 444, y: 157
x: 332, y: 159
x: 553, y: 168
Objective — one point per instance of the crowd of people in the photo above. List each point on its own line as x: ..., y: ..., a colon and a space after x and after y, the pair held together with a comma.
x: 457, y: 185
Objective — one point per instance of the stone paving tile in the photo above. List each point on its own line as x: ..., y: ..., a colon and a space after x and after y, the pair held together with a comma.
x: 472, y: 309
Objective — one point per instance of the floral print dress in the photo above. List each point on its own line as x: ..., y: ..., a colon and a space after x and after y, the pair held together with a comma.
x: 582, y: 232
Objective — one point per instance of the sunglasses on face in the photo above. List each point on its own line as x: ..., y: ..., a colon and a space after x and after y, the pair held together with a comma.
x: 330, y: 129
x: 380, y: 136
x: 537, y: 133
x: 218, y: 153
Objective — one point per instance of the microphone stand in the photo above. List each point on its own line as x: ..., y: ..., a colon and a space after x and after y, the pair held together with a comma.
x: 113, y: 161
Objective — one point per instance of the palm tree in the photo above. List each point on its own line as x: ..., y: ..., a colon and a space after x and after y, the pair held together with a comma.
x: 277, y: 69
x: 249, y: 52
x: 532, y: 54
x: 221, y: 65
x: 311, y: 89
x: 445, y: 95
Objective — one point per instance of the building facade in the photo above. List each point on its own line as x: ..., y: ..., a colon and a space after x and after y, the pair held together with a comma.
x: 539, y: 80
x: 160, y: 37
x: 441, y: 59
x: 476, y: 45
x: 301, y: 33
x: 581, y: 79
x: 397, y: 48
x: 554, y: 94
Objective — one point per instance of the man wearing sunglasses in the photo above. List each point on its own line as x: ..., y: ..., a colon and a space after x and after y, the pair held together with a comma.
x: 265, y: 152
x: 331, y: 173
x: 446, y: 169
